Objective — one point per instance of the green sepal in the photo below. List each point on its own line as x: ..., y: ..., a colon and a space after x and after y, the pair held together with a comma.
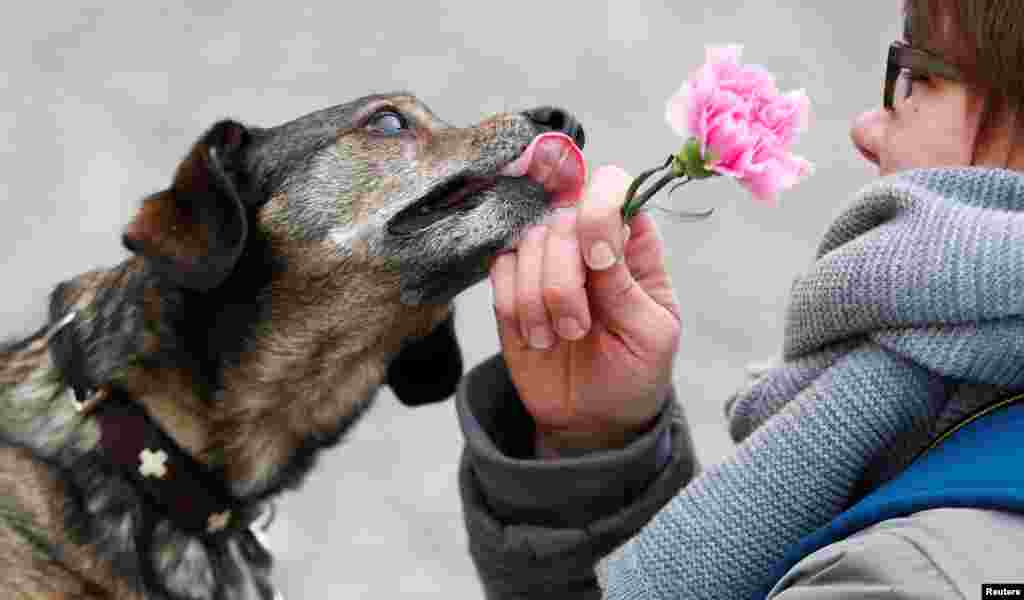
x: 691, y: 162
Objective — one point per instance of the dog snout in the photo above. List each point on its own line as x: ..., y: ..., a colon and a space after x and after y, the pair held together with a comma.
x: 558, y: 119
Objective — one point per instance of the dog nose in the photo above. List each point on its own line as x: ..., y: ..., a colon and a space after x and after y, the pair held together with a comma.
x: 557, y: 119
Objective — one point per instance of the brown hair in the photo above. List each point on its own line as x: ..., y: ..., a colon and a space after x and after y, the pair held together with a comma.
x: 984, y: 38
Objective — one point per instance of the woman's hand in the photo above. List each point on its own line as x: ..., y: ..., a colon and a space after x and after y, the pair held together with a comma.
x: 596, y: 386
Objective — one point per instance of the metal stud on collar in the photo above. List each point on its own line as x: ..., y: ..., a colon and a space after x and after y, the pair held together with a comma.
x: 218, y: 521
x: 88, y: 406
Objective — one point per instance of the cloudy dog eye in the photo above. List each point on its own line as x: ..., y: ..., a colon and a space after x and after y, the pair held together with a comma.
x: 387, y: 122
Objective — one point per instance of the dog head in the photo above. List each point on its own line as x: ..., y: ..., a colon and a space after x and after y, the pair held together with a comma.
x: 374, y: 211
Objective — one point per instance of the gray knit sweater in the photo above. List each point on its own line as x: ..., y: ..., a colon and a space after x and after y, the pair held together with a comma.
x: 910, y: 316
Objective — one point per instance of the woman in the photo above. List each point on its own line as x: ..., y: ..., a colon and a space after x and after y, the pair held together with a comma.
x: 909, y: 320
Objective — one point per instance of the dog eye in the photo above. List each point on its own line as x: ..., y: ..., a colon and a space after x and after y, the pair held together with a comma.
x: 387, y: 123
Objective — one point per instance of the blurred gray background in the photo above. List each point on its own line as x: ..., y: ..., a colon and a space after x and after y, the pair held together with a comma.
x: 100, y: 101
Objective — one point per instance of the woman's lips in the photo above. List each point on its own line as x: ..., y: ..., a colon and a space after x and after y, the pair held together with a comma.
x: 555, y: 161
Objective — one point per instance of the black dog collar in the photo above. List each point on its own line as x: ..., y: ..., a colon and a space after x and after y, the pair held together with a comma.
x: 188, y: 493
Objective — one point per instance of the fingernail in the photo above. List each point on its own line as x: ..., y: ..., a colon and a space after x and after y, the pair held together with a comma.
x: 558, y: 213
x: 601, y: 256
x: 570, y: 328
x: 541, y: 338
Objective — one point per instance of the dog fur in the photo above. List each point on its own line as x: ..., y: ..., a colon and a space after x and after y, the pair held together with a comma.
x: 279, y: 281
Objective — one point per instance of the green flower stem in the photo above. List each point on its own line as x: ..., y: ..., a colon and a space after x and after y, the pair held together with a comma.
x: 633, y: 203
x: 690, y: 163
x: 632, y: 207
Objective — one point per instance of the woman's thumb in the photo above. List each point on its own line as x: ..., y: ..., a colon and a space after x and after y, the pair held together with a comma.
x: 611, y: 286
x: 614, y: 291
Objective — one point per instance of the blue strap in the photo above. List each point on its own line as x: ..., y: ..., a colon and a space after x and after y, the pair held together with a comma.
x: 978, y: 464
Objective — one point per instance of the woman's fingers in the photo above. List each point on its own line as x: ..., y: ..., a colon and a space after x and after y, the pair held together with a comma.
x: 546, y: 284
x: 601, y: 232
x: 503, y: 283
x: 535, y: 326
x: 565, y: 277
x: 612, y: 288
x: 540, y: 289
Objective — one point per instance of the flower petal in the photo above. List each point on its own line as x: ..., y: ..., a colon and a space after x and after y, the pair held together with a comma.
x: 738, y: 116
x: 677, y: 111
x: 752, y: 82
x: 785, y: 116
x: 779, y: 173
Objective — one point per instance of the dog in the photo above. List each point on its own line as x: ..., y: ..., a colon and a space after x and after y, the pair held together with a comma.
x: 285, y: 275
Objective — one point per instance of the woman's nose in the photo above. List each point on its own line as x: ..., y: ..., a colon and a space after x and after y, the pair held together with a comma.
x: 866, y: 133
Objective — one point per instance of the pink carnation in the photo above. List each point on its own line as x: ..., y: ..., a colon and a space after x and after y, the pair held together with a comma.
x: 742, y: 122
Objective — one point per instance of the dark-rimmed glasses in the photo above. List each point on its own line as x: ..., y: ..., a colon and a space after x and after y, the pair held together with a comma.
x: 906, y: 64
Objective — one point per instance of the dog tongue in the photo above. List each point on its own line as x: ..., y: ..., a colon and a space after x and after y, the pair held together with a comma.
x: 556, y: 162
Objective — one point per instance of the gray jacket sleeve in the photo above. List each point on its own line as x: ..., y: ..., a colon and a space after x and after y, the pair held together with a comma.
x: 537, y: 527
x: 943, y: 553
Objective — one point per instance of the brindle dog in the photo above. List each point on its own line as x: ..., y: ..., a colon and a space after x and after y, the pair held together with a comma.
x: 284, y: 276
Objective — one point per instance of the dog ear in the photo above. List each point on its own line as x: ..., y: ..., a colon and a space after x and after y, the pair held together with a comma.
x: 194, y: 231
x: 429, y: 369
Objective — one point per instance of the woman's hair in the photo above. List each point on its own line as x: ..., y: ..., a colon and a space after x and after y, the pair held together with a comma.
x: 984, y: 38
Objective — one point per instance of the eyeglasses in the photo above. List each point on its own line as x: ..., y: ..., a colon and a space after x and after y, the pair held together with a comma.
x: 904, y: 65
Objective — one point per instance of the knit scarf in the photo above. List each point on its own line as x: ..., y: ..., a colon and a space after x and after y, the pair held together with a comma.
x: 916, y: 294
